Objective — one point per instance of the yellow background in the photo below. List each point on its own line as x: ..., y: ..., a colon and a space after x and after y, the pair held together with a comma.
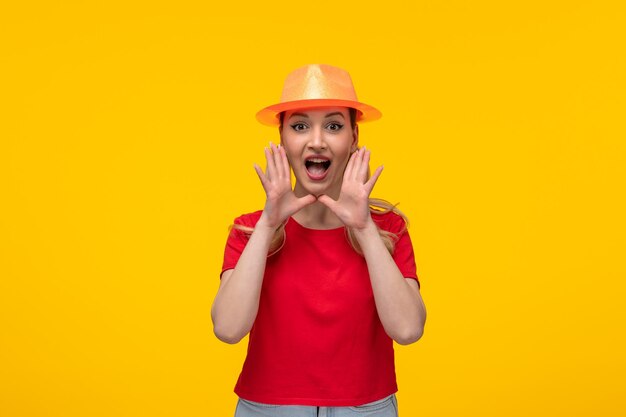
x: 127, y: 147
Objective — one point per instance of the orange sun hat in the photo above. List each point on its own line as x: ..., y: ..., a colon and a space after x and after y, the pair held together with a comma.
x: 317, y: 85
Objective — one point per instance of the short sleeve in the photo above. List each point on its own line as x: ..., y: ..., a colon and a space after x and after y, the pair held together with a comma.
x: 403, y: 253
x: 237, y: 241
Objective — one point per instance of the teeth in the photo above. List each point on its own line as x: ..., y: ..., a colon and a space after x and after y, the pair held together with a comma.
x: 317, y: 160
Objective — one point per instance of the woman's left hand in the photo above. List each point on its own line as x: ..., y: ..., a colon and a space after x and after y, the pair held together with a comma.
x: 352, y: 207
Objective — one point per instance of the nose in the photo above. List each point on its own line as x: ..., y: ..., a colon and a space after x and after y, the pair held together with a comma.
x: 316, y: 140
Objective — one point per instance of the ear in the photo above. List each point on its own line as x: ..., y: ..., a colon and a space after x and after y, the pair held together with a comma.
x: 355, y: 138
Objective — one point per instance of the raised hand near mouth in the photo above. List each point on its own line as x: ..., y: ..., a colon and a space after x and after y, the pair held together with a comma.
x: 280, y: 202
x: 352, y: 206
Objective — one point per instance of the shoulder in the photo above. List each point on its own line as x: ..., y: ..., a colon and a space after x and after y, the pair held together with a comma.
x: 249, y: 219
x: 390, y: 222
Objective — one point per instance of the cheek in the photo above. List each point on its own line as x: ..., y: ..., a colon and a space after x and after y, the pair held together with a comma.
x: 291, y: 149
x: 344, y: 162
x: 291, y: 156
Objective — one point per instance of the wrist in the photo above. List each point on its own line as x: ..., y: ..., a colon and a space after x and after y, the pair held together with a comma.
x: 368, y: 230
x: 264, y: 225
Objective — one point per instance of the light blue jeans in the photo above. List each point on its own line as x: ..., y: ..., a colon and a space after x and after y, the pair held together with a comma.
x: 386, y: 407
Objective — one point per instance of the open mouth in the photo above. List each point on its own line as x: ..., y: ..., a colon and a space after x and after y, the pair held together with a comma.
x: 317, y: 167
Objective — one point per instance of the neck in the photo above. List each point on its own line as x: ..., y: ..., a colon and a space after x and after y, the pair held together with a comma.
x: 316, y: 215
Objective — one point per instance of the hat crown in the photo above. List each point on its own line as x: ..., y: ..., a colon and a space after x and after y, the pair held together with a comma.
x: 318, y: 81
x: 314, y: 86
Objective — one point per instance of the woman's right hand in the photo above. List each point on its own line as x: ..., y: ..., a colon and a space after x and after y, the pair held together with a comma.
x: 280, y: 202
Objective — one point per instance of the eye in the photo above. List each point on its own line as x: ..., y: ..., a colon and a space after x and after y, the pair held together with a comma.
x: 334, y: 126
x: 298, y: 126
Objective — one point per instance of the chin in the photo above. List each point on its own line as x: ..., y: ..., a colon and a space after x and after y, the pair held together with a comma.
x: 316, y: 191
x: 319, y: 189
x: 312, y: 188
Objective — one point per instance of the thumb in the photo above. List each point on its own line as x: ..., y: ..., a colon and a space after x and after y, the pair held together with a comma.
x: 305, y: 201
x: 328, y: 202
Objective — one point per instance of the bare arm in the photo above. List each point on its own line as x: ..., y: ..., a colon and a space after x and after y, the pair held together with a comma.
x: 237, y: 301
x: 398, y: 299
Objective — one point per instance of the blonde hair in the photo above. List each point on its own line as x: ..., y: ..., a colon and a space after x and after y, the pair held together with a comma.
x: 377, y: 206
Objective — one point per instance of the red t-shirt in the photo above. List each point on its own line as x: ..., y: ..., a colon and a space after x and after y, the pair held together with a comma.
x: 317, y: 339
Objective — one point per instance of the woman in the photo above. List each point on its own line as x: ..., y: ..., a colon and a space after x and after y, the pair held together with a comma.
x: 321, y: 279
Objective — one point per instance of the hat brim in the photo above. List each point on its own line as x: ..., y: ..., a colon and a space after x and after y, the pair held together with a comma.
x: 269, y: 115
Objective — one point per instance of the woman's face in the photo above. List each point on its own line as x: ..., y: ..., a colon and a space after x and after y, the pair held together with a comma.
x: 318, y: 143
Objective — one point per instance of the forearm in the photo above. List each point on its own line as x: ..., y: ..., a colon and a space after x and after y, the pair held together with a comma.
x: 400, y: 307
x: 237, y: 302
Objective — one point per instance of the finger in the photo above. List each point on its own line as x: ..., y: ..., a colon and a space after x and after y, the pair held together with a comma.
x: 278, y: 160
x: 362, y: 174
x: 286, y: 166
x: 356, y: 171
x: 348, y: 171
x: 369, y: 185
x: 271, y: 166
x: 356, y: 163
x: 305, y: 201
x: 261, y: 176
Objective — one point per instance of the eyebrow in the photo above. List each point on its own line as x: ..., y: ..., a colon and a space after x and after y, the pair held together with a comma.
x: 328, y: 115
